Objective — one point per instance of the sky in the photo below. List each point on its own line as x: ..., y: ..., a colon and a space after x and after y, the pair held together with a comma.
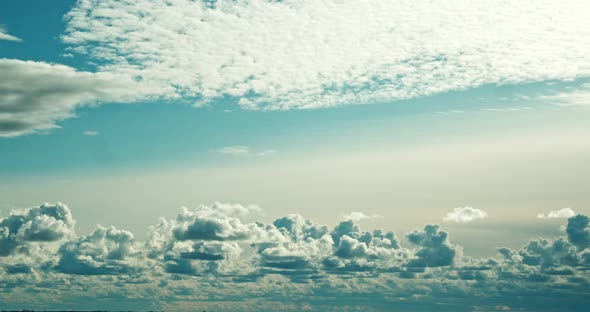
x: 294, y: 155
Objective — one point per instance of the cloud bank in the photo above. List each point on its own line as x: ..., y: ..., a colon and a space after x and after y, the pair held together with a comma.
x: 216, y: 255
x: 306, y: 54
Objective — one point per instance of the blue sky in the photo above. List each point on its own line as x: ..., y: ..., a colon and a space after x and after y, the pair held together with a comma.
x: 297, y: 133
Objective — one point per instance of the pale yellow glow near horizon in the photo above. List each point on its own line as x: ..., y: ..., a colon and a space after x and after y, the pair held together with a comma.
x: 513, y: 179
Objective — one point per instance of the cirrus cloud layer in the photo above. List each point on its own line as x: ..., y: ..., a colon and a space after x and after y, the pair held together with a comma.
x: 293, y: 54
x: 305, y: 54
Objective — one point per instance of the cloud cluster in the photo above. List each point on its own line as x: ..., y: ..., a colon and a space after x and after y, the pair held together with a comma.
x: 563, y: 255
x: 305, y: 54
x: 46, y: 223
x: 221, y: 251
x: 36, y: 95
x: 105, y: 251
x: 465, y: 214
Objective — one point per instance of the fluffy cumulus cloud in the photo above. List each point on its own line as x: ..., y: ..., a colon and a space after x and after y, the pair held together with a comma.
x: 46, y: 223
x: 563, y: 256
x: 36, y: 95
x: 465, y: 214
x: 103, y: 252
x: 305, y: 54
x: 558, y: 214
x: 435, y: 248
x: 213, y: 256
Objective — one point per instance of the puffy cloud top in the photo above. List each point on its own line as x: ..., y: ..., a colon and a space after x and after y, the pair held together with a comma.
x: 292, y: 254
x: 218, y: 223
x: 102, y: 252
x: 578, y: 231
x: 436, y: 250
x: 46, y: 223
x: 465, y: 214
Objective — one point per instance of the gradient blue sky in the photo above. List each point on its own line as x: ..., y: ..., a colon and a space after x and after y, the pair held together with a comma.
x: 126, y: 111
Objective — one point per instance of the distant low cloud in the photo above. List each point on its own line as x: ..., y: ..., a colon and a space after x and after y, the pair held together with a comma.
x: 574, y: 97
x: 436, y: 250
x: 103, y: 252
x: 221, y: 249
x: 357, y: 216
x: 5, y: 36
x: 240, y: 150
x: 558, y: 214
x: 234, y: 150
x: 465, y: 214
x: 266, y: 153
x: 23, y: 229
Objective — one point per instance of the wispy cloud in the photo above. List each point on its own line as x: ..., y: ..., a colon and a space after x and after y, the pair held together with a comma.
x: 234, y: 150
x: 91, y: 133
x: 5, y: 36
x: 507, y: 109
x: 357, y: 216
x: 36, y: 95
x: 572, y: 97
x: 465, y: 214
x: 558, y: 214
x: 240, y: 150
x: 266, y: 153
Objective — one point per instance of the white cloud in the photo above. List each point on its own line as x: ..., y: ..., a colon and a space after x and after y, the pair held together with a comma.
x: 234, y: 150
x: 5, y: 36
x: 36, y: 95
x: 266, y: 153
x: 357, y: 216
x: 305, y: 54
x: 555, y: 214
x: 43, y: 224
x: 220, y: 255
x: 465, y: 214
x: 240, y: 150
x: 91, y: 133
x: 574, y: 97
x: 507, y: 109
